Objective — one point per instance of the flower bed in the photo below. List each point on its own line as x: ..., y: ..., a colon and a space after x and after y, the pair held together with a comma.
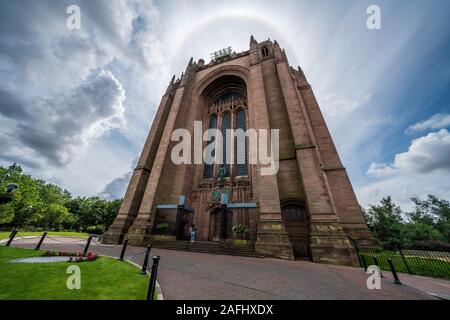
x: 74, y: 256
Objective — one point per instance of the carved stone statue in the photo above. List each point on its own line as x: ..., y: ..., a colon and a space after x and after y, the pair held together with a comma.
x: 222, y: 172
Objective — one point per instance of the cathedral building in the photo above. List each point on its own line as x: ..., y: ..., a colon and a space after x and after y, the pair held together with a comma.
x: 308, y: 209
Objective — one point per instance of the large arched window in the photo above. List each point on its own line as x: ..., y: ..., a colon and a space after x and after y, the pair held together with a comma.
x: 208, y: 170
x: 241, y: 150
x: 226, y: 143
x: 229, y: 96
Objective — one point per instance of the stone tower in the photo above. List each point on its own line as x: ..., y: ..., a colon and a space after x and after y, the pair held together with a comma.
x: 308, y: 208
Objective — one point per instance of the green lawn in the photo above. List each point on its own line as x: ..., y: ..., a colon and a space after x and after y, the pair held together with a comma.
x: 417, y: 265
x: 102, y: 279
x: 5, y: 234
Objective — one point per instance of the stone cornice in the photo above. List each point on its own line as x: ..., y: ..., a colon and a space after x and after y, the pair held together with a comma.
x: 142, y: 168
x: 304, y: 146
x: 306, y: 86
x: 333, y: 169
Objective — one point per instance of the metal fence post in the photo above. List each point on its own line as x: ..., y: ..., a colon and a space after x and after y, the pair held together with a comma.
x: 357, y: 251
x: 144, y: 265
x: 394, y: 273
x: 41, y: 241
x: 11, y: 238
x: 375, y: 260
x: 152, y: 283
x: 122, y: 254
x: 85, y: 252
x: 363, y: 259
x: 404, y: 260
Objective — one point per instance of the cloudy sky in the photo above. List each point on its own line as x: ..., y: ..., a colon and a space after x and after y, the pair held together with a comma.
x: 76, y: 105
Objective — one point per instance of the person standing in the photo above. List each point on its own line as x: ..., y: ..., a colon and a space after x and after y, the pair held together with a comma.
x: 193, y: 232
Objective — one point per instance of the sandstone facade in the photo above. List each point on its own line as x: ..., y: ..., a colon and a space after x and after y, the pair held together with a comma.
x: 308, y: 209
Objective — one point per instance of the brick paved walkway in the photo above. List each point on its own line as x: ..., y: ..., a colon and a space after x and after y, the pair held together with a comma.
x: 190, y: 275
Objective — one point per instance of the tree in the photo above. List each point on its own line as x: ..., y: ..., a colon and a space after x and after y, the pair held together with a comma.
x: 434, y: 213
x: 385, y: 220
x: 54, y: 216
x: 93, y: 214
x: 421, y: 232
x: 112, y: 209
x: 25, y: 200
x: 45, y: 205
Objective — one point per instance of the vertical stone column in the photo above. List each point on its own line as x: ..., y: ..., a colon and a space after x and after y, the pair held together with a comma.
x: 135, y: 190
x: 272, y: 237
x: 142, y: 223
x: 328, y: 242
x: 343, y: 195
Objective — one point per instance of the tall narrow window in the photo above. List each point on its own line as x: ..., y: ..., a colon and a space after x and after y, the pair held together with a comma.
x: 241, y: 150
x: 209, y: 168
x: 226, y: 143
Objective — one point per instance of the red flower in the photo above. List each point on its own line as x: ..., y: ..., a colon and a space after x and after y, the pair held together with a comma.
x: 92, y: 257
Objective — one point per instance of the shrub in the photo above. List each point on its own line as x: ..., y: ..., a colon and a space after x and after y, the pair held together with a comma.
x: 98, y: 229
x: 240, y: 230
x: 162, y: 227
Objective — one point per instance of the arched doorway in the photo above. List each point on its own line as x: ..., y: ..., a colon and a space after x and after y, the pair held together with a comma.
x: 295, y: 216
x: 215, y: 224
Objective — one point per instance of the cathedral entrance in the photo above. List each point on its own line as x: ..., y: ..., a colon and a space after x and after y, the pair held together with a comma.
x: 173, y: 220
x: 215, y: 226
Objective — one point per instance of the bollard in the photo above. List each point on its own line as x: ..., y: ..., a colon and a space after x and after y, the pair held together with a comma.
x: 85, y: 252
x: 363, y: 259
x: 394, y: 273
x: 40, y: 241
x: 152, y: 283
x: 144, y: 265
x: 375, y: 260
x: 122, y: 254
x: 12, y: 231
x: 13, y: 234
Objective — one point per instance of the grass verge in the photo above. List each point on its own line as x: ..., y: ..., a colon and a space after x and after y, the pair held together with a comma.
x: 415, y: 264
x: 5, y: 234
x: 102, y: 279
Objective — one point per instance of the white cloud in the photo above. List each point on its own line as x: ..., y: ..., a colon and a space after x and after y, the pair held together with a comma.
x: 437, y: 121
x: 339, y: 107
x: 381, y: 170
x: 425, y: 154
x: 404, y: 186
x: 423, y: 169
x: 116, y: 188
x: 43, y: 66
x: 58, y: 128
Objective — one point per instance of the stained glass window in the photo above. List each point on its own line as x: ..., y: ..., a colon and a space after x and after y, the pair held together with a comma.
x: 209, y: 168
x: 226, y: 124
x: 241, y: 168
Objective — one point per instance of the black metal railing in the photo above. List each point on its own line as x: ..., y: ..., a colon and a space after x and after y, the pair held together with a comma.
x: 431, y: 262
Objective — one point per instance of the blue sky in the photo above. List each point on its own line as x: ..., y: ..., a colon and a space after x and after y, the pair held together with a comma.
x: 384, y: 93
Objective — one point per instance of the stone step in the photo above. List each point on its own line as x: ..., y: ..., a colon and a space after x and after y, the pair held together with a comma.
x: 207, y: 247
